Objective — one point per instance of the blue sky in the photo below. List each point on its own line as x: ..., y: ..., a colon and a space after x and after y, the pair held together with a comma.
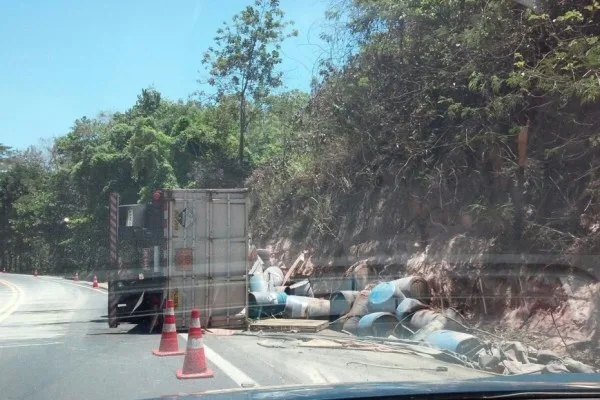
x: 63, y: 59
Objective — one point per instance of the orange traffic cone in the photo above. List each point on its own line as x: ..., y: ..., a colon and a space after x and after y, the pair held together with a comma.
x: 95, y: 282
x: 76, y: 279
x: 194, y: 363
x: 169, y: 346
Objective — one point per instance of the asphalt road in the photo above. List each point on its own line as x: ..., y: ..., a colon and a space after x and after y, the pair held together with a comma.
x: 55, y: 344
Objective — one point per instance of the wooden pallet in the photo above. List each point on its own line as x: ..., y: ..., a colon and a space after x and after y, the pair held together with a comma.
x: 282, y: 325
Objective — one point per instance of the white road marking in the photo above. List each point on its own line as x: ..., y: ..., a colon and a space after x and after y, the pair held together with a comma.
x: 9, y: 346
x: 232, y: 371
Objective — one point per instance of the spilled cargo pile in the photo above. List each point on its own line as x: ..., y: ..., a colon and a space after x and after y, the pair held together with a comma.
x: 398, y: 309
x: 269, y: 296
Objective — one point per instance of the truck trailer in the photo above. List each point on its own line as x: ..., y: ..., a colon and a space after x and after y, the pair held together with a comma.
x: 188, y: 245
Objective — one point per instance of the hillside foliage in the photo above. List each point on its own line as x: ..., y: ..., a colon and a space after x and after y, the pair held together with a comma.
x: 448, y: 117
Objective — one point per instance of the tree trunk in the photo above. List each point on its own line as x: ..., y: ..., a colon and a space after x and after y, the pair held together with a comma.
x: 242, y: 127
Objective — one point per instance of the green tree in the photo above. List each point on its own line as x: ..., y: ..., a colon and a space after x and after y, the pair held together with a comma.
x: 274, y: 132
x: 246, y: 56
x: 25, y: 212
x: 5, y: 157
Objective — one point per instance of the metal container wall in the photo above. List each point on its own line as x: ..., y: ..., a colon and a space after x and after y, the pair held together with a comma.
x: 407, y: 307
x: 458, y: 342
x: 266, y: 304
x: 414, y: 287
x: 257, y: 283
x: 379, y: 324
x: 341, y: 302
x: 306, y: 307
x: 385, y: 297
x: 207, y: 253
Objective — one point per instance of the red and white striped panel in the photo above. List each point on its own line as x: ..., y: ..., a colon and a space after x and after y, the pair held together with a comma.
x: 166, y: 230
x: 113, y: 227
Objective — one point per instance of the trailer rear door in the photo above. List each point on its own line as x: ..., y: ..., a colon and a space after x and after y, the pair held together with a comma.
x: 207, y: 255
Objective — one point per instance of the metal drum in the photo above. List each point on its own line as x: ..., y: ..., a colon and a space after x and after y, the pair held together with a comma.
x: 414, y: 287
x: 458, y: 342
x: 301, y: 288
x: 261, y: 304
x: 407, y: 307
x: 306, y: 307
x: 379, y: 324
x: 341, y: 302
x: 257, y: 283
x: 385, y: 297
x: 361, y: 305
x: 273, y: 276
x: 422, y: 318
x: 425, y: 322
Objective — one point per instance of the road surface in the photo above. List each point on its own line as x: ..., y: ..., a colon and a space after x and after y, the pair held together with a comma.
x: 55, y: 344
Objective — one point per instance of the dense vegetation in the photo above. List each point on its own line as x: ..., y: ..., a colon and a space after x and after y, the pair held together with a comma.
x: 432, y: 119
x: 449, y: 118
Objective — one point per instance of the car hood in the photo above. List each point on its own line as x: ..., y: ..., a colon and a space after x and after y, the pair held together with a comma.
x: 548, y: 383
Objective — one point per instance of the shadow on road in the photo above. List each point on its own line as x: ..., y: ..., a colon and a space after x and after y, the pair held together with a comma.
x: 47, y: 311
x: 126, y: 329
